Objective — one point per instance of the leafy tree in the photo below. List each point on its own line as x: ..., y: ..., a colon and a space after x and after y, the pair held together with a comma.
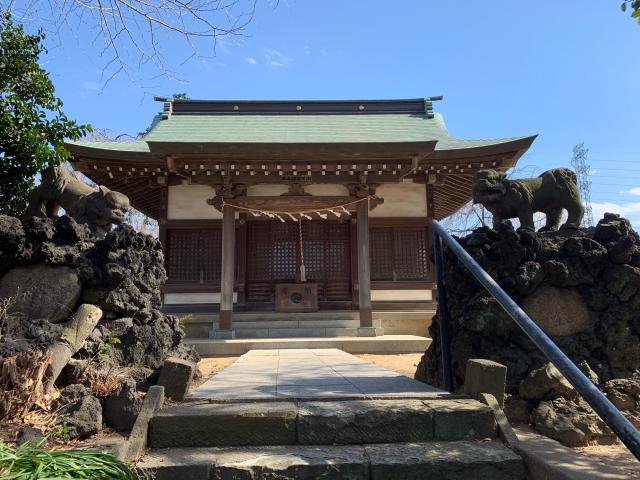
x: 634, y: 5
x: 32, y: 124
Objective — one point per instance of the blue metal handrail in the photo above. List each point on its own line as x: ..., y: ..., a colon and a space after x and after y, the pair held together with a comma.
x: 607, y: 411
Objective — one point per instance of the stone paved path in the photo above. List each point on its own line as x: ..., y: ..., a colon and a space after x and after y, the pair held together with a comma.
x: 307, y: 374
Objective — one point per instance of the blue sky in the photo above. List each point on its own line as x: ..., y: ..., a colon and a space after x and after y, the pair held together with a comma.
x: 567, y: 70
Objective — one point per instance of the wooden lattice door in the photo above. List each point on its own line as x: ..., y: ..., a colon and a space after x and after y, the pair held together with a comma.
x: 273, y: 256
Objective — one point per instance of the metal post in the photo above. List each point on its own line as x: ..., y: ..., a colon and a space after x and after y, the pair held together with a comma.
x: 443, y: 314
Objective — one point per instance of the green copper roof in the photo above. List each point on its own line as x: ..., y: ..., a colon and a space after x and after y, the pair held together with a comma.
x: 295, y: 122
x: 309, y: 128
x: 132, y: 146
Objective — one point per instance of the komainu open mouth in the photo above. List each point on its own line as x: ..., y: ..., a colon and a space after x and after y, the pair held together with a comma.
x: 118, y: 214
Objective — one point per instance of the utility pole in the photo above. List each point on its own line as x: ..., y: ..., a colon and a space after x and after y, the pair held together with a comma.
x: 582, y: 169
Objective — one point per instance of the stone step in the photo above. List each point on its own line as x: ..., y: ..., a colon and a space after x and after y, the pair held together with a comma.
x: 478, y: 460
x: 289, y: 323
x: 351, y: 344
x: 321, y: 422
x: 277, y: 316
x: 296, y: 332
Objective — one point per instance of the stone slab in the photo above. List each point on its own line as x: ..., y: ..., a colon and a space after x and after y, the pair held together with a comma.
x: 328, y: 324
x: 320, y: 422
x: 292, y: 463
x: 407, y: 461
x: 546, y: 458
x: 176, y: 376
x: 460, y: 419
x: 307, y: 392
x: 383, y: 344
x: 205, y: 425
x: 251, y: 332
x: 372, y: 421
x: 341, y: 332
x: 296, y: 332
x: 367, y: 332
x: 485, y: 376
x: 136, y: 444
x: 176, y: 463
x: 444, y: 461
x: 303, y: 374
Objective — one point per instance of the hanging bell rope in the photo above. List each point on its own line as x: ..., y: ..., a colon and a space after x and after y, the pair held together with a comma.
x: 303, y: 272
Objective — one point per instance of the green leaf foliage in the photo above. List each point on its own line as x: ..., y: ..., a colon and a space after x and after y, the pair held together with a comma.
x: 33, y: 462
x: 33, y: 126
x: 634, y: 5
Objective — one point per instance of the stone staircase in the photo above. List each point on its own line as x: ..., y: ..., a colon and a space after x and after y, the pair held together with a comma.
x: 278, y: 325
x: 394, y: 438
x: 273, y: 325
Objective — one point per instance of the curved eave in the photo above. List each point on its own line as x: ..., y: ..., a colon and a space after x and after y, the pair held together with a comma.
x: 456, y: 189
x: 295, y: 150
x: 491, y: 147
x: 99, y: 151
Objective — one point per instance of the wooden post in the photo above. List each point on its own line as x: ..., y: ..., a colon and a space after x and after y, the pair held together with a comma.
x: 162, y: 230
x: 364, y: 271
x: 227, y: 271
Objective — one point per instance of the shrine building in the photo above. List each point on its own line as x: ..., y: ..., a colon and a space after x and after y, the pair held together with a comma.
x: 296, y: 206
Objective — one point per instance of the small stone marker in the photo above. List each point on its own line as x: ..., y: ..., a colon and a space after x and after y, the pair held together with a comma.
x: 485, y: 376
x: 176, y: 376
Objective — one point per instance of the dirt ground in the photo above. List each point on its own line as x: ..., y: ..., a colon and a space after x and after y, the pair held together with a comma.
x: 404, y: 363
x: 615, y: 456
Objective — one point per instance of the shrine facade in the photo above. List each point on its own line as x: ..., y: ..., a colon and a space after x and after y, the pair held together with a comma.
x: 326, y: 201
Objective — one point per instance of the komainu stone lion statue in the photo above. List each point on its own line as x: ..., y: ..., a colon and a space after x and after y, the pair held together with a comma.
x: 99, y: 209
x: 550, y: 193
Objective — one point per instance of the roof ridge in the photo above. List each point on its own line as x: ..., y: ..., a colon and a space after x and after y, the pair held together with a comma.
x: 180, y: 106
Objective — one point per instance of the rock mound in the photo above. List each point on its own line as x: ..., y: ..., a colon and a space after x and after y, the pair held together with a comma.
x: 583, y: 289
x: 48, y: 267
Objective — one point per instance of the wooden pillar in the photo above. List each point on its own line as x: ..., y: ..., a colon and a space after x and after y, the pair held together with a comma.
x: 228, y: 267
x: 429, y: 232
x: 241, y: 264
x: 364, y: 268
x: 162, y: 230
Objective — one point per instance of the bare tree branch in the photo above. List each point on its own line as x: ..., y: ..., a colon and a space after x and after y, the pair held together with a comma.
x: 134, y: 33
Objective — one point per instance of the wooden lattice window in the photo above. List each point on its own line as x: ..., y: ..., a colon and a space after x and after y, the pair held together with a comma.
x: 273, y: 256
x: 194, y: 255
x: 399, y: 254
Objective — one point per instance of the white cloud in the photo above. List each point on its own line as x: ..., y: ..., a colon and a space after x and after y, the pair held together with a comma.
x: 627, y: 210
x: 275, y: 58
x: 251, y: 60
x: 91, y: 86
x: 632, y: 191
x: 323, y: 52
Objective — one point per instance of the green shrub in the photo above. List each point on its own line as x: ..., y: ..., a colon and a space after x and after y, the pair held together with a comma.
x: 33, y: 462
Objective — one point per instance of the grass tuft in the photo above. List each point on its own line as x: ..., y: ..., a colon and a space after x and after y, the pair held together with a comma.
x: 33, y: 462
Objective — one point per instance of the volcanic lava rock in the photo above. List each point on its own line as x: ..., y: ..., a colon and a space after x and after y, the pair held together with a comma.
x: 59, y: 260
x: 83, y: 417
x: 121, y: 408
x: 581, y: 287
